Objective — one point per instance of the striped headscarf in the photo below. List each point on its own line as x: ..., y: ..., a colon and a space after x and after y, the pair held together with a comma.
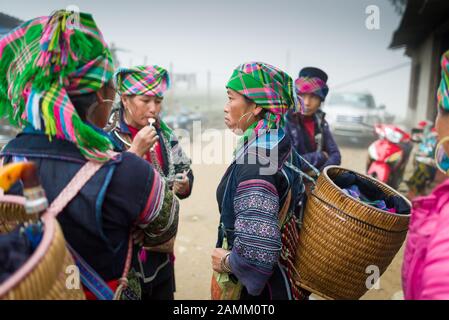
x: 312, y: 80
x: 443, y: 90
x: 142, y: 80
x: 46, y: 60
x: 269, y: 87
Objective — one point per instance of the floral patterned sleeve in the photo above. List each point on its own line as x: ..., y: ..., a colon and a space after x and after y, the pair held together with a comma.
x: 257, y: 243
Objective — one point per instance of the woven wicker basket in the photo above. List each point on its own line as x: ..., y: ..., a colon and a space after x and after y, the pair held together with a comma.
x: 43, y: 276
x: 341, y: 237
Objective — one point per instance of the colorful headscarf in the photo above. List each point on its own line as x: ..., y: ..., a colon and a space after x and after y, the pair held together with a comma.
x: 443, y: 90
x: 44, y: 61
x: 142, y: 80
x: 312, y: 80
x: 269, y: 87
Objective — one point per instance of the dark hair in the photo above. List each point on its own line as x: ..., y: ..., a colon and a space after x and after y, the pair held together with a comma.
x: 312, y: 72
x: 82, y: 103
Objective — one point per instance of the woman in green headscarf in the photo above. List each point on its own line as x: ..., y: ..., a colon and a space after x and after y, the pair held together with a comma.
x: 57, y: 87
x: 259, y: 193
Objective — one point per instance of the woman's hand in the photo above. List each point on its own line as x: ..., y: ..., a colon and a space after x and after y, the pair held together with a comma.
x: 144, y: 140
x: 217, y: 255
x: 182, y: 186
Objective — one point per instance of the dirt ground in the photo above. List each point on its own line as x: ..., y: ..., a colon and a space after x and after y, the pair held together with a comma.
x: 198, y: 232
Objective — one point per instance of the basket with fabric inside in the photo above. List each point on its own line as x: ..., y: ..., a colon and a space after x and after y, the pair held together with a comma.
x: 343, y: 239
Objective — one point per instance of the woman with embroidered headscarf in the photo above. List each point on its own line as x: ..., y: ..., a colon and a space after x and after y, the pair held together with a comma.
x: 141, y: 91
x: 259, y: 194
x: 425, y: 271
x: 56, y: 85
x: 309, y: 130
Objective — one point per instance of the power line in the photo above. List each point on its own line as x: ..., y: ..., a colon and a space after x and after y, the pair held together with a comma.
x: 372, y: 75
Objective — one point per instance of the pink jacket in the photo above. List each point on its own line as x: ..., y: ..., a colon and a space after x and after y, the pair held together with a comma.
x: 425, y: 272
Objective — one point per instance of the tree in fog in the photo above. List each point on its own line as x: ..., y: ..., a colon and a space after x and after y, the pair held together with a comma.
x: 399, y: 5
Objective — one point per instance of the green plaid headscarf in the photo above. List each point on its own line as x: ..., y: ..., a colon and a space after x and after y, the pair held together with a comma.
x: 45, y: 60
x: 443, y: 90
x: 269, y: 87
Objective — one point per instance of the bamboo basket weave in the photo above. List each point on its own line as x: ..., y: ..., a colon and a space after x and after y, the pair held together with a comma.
x: 341, y: 237
x: 12, y: 213
x: 43, y: 276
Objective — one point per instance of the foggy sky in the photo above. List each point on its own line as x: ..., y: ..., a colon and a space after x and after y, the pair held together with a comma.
x: 199, y: 35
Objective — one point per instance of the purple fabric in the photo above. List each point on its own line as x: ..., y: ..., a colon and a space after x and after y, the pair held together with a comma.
x: 257, y: 243
x: 355, y: 192
x: 301, y: 142
x: 250, y: 276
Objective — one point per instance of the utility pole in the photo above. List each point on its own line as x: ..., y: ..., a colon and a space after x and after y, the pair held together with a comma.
x: 287, y: 61
x: 172, y: 75
x: 172, y: 81
x: 114, y: 49
x: 209, y: 79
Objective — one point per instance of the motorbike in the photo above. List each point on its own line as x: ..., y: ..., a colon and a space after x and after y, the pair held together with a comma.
x: 424, y: 168
x: 389, y: 154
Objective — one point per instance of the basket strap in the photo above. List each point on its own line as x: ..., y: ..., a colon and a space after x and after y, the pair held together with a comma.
x: 311, y: 166
x: 123, y: 281
x: 283, y: 213
x: 73, y: 187
x: 90, y: 278
x: 302, y: 174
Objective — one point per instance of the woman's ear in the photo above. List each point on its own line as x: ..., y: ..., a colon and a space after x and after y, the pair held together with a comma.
x: 99, y: 95
x: 124, y: 100
x: 257, y: 110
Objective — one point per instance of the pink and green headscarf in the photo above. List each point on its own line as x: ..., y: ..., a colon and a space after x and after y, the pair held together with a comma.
x: 443, y: 90
x: 269, y: 87
x: 142, y: 80
x: 43, y: 62
x: 312, y: 80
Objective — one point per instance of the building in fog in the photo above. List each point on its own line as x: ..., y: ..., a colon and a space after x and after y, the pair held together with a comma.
x: 188, y: 79
x: 424, y: 33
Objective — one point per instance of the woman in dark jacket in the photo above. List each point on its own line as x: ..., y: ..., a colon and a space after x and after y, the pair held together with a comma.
x: 141, y: 91
x: 61, y: 93
x: 308, y: 130
x: 259, y: 193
